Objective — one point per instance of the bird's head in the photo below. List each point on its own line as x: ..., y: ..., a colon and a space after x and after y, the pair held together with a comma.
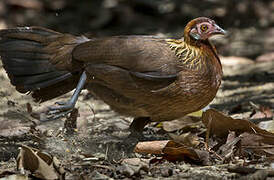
x: 202, y: 28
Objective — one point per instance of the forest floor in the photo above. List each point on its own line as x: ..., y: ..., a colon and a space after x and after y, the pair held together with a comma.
x: 98, y: 148
x: 101, y: 133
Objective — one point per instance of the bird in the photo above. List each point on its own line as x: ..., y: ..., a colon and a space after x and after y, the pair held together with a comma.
x: 149, y: 78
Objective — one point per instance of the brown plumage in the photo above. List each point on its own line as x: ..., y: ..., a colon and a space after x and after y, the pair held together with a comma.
x: 146, y: 77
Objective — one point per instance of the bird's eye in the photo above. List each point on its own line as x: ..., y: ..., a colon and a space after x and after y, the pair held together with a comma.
x: 204, y: 28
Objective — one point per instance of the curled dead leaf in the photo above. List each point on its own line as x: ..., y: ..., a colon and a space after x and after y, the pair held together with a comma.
x: 221, y: 124
x: 259, y: 144
x: 173, y: 151
x: 188, y: 139
x: 150, y: 147
x: 252, y: 139
x: 40, y: 164
x: 176, y: 152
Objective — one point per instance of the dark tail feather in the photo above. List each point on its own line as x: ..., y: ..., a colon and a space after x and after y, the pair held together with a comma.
x: 56, y: 89
x: 26, y: 62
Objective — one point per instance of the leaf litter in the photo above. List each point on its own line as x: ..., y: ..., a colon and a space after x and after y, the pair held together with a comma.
x: 237, y: 142
x: 235, y: 139
x: 233, y: 144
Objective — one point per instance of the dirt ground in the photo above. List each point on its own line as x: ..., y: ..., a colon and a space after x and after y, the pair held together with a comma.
x: 102, y: 133
x: 99, y: 143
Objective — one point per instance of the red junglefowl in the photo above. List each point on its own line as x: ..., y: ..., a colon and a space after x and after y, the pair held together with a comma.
x: 146, y: 77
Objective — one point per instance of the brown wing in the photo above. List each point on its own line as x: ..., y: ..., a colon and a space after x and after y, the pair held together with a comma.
x: 134, y: 53
x: 142, y: 61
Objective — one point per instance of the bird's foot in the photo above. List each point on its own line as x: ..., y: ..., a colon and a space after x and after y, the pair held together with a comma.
x: 62, y: 106
x: 57, y: 112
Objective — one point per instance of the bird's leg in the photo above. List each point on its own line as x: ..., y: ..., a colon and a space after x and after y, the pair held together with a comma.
x: 64, y: 108
x: 137, y: 126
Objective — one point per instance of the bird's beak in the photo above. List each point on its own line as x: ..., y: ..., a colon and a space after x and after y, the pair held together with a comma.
x: 218, y: 30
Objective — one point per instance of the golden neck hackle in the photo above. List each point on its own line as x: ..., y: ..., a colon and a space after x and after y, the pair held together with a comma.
x: 188, y: 55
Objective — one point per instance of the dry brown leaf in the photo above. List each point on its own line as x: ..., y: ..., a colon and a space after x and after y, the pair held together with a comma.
x: 252, y: 138
x: 188, y: 139
x: 222, y: 124
x: 150, y: 147
x: 40, y: 164
x: 227, y: 149
x: 176, y: 152
x: 259, y: 144
x: 172, y: 151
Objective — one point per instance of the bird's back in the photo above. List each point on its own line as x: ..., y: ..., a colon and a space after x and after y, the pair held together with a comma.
x: 135, y: 53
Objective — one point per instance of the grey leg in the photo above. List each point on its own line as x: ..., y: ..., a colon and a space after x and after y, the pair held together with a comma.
x: 66, y: 107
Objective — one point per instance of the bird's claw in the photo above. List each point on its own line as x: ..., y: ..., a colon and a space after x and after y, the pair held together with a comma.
x: 61, y: 103
x: 54, y: 115
x: 51, y: 111
x: 63, y: 106
x: 56, y: 112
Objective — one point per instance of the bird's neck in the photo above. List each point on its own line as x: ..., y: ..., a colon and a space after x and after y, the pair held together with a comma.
x: 201, y: 56
x: 188, y: 55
